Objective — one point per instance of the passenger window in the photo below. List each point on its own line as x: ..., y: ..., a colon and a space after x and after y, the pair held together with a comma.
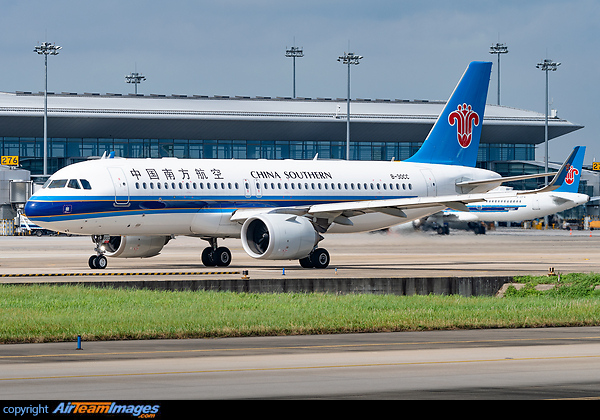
x: 73, y: 184
x: 58, y: 183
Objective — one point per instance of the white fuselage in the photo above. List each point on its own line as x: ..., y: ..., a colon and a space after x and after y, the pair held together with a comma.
x: 516, y: 208
x: 171, y: 196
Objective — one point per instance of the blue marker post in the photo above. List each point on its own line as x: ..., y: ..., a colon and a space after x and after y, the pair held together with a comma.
x: 79, y: 342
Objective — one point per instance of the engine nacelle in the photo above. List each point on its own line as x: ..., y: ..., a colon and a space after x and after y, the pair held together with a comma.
x: 135, y: 246
x: 278, y: 236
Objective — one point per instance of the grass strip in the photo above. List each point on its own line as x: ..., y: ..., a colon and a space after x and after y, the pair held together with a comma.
x: 41, y: 313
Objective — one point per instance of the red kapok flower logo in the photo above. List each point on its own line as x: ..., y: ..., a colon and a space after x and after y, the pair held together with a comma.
x: 464, y: 118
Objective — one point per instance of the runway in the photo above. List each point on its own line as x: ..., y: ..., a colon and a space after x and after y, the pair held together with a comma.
x: 553, y: 363
x: 505, y: 252
x: 490, y: 364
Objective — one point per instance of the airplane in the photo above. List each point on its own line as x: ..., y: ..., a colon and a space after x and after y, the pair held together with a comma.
x: 507, y: 205
x: 279, y: 209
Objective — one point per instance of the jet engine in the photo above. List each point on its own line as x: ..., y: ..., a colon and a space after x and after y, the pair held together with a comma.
x: 278, y: 236
x: 135, y: 246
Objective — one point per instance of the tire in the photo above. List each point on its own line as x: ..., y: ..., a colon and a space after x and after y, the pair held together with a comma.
x: 92, y: 262
x: 320, y: 258
x: 306, y: 262
x: 222, y: 256
x: 208, y: 257
x: 101, y: 262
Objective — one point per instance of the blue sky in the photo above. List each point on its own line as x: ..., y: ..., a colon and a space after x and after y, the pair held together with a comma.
x: 411, y: 49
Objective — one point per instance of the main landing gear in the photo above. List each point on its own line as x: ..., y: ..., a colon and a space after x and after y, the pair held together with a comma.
x: 216, y: 256
x: 319, y: 258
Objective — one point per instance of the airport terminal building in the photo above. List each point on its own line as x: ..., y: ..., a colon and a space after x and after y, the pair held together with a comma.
x: 83, y: 126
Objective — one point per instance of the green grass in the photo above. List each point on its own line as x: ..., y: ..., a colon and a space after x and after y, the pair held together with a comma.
x: 572, y: 285
x: 59, y: 313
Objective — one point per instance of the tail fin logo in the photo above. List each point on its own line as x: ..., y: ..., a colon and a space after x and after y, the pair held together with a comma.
x: 464, y: 118
x: 570, y: 177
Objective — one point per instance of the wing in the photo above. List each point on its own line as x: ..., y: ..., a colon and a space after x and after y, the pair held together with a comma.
x: 342, y: 212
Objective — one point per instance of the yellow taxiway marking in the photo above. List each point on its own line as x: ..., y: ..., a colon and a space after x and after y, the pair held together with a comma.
x: 324, y: 346
x: 264, y: 369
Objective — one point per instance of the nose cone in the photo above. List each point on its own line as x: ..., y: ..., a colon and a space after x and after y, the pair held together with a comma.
x: 30, y: 208
x: 34, y: 208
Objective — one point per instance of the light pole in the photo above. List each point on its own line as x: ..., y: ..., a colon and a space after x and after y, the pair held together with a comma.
x: 546, y: 66
x: 135, y: 78
x: 46, y: 48
x: 498, y: 49
x: 294, y: 52
x: 349, y: 58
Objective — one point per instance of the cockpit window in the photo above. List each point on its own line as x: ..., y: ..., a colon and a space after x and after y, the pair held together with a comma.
x: 85, y: 184
x: 58, y: 183
x: 73, y: 184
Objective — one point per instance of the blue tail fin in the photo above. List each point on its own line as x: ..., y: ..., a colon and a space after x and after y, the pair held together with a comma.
x: 570, y: 172
x: 454, y: 138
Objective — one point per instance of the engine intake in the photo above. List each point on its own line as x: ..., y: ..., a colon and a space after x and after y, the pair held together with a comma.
x: 278, y: 236
x: 135, y: 246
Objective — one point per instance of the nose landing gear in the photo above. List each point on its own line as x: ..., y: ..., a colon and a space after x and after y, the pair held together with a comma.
x: 98, y: 261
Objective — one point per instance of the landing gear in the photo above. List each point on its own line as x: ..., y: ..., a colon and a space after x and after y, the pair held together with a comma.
x: 319, y: 258
x: 478, y: 228
x: 98, y: 261
x: 214, y: 256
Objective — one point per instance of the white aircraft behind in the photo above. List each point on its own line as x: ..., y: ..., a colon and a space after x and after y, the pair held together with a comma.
x: 515, y: 206
x: 279, y: 209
